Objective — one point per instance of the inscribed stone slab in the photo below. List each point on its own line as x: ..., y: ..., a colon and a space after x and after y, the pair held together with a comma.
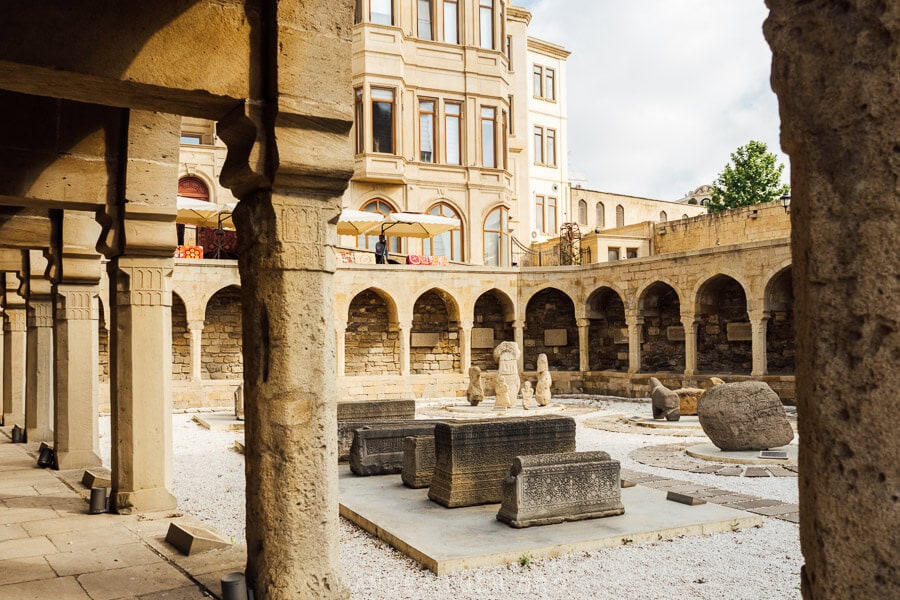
x: 556, y: 337
x: 739, y: 332
x: 483, y: 337
x: 675, y: 333
x: 425, y: 340
x: 378, y: 449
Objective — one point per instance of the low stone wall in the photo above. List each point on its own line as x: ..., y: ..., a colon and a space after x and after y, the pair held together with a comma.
x: 387, y: 387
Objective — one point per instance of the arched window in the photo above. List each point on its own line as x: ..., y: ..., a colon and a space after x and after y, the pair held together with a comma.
x: 496, y: 238
x: 217, y: 243
x: 663, y: 217
x: 193, y: 187
x: 620, y: 216
x: 368, y: 241
x: 601, y: 216
x: 704, y: 202
x: 582, y: 212
x: 447, y: 244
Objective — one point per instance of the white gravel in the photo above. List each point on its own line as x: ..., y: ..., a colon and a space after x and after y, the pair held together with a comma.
x: 757, y: 564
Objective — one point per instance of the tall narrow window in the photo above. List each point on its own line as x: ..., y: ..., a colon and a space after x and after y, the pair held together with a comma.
x: 496, y: 238
x: 551, y: 215
x: 550, y: 157
x: 539, y: 222
x: 486, y: 21
x: 550, y: 84
x: 451, y: 21
x: 426, y: 31
x: 538, y: 145
x: 537, y: 80
x: 357, y: 12
x: 381, y: 12
x: 509, y: 60
x: 601, y: 216
x: 453, y: 127
x: 426, y: 131
x: 512, y: 115
x: 663, y: 217
x: 504, y: 137
x: 382, y: 120
x: 620, y: 216
x: 489, y: 137
x: 582, y: 212
x: 447, y: 244
x: 358, y: 113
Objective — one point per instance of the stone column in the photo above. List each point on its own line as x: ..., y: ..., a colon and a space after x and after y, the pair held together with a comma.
x: 405, y: 350
x: 39, y: 369
x: 834, y: 68
x: 465, y: 341
x: 635, y: 333
x: 77, y: 361
x: 2, y: 342
x: 14, y: 350
x: 196, y: 329
x: 519, y: 338
x: 758, y: 325
x: 340, y: 337
x: 584, y: 357
x: 689, y: 323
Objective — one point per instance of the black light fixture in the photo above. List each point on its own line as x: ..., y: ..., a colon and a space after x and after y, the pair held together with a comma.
x: 786, y: 202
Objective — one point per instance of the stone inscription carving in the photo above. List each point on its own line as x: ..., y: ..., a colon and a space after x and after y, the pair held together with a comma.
x: 482, y: 337
x: 507, y: 356
x: 378, y: 449
x: 556, y: 337
x: 418, y: 461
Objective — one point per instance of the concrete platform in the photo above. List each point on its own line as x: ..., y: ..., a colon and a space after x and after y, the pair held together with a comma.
x: 686, y: 422
x: 448, y: 540
x: 224, y: 421
x: 712, y: 453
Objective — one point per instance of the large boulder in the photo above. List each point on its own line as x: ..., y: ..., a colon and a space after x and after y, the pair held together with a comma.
x: 665, y: 402
x: 744, y: 416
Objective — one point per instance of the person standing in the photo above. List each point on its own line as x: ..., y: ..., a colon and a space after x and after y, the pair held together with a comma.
x: 381, y: 250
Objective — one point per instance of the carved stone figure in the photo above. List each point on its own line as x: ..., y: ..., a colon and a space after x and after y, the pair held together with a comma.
x: 688, y: 398
x: 502, y: 400
x: 507, y: 356
x: 744, y: 416
x: 542, y: 390
x: 475, y: 392
x: 714, y: 381
x: 527, y: 395
x: 665, y: 402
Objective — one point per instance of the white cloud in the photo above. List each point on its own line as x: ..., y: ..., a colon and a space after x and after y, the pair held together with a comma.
x: 661, y: 91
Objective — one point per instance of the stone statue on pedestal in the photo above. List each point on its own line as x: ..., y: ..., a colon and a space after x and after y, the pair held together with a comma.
x: 507, y: 357
x: 542, y: 391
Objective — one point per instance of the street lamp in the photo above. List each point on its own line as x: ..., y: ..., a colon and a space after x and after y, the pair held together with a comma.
x: 786, y: 202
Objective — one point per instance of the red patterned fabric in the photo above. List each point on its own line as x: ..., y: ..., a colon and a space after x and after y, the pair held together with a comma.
x: 413, y: 259
x: 189, y: 252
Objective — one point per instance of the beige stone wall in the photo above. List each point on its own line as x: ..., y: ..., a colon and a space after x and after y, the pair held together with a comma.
x: 438, y: 332
x: 221, y: 356
x: 550, y: 329
x: 371, y: 345
x: 181, y: 341
x: 736, y: 226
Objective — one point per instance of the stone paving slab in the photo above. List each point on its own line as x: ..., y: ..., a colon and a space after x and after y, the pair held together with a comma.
x: 60, y: 588
x: 219, y: 421
x: 19, y: 570
x: 132, y: 581
x: 448, y: 540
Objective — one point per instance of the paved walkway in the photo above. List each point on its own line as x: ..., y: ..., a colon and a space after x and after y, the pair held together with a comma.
x: 52, y: 549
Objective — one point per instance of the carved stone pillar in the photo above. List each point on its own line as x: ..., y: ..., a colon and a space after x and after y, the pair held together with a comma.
x: 519, y: 338
x: 405, y: 347
x: 39, y: 354
x: 14, y: 350
x: 340, y: 337
x: 196, y: 329
x: 758, y: 325
x: 690, y: 324
x: 635, y: 333
x: 584, y: 357
x: 76, y: 377
x: 465, y: 342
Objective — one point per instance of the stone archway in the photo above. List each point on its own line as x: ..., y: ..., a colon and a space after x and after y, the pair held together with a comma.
x: 221, y: 356
x: 724, y: 338
x: 181, y: 341
x: 608, y: 331
x: 493, y: 315
x: 434, y: 343
x: 551, y: 329
x: 780, y: 327
x: 662, y: 341
x: 372, y: 340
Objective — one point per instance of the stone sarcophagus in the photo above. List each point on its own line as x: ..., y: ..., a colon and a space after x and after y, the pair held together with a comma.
x: 418, y: 461
x: 378, y: 449
x: 472, y: 458
x: 552, y: 488
x: 353, y: 415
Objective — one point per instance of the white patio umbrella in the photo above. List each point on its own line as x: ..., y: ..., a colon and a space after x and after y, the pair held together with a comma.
x: 417, y: 225
x: 358, y: 222
x: 192, y: 211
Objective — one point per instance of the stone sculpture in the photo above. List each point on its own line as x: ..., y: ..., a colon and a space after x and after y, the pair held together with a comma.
x: 353, y: 415
x: 744, y: 416
x: 472, y: 458
x: 507, y: 356
x: 545, y: 489
x: 688, y: 398
x: 714, y: 381
x: 378, y: 449
x: 527, y: 395
x: 475, y: 391
x: 502, y: 399
x: 544, y: 382
x: 665, y: 402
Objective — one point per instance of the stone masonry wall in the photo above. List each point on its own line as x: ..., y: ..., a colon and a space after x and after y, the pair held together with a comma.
x: 430, y: 315
x: 221, y: 357
x: 660, y: 350
x: 181, y: 341
x: 780, y: 327
x: 489, y: 313
x: 103, y: 335
x: 736, y: 226
x: 715, y: 353
x: 605, y: 354
x: 551, y: 309
x: 371, y: 347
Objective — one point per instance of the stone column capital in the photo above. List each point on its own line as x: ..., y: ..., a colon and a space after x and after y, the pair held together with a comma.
x: 519, y: 324
x: 583, y: 322
x: 15, y: 319
x: 759, y: 315
x: 466, y: 325
x: 196, y: 325
x: 40, y: 311
x: 77, y: 303
x: 404, y: 325
x: 144, y: 281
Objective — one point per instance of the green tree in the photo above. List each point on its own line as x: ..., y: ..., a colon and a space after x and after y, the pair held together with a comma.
x: 755, y: 178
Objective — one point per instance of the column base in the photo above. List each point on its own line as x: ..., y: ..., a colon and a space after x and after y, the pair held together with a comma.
x: 34, y: 435
x: 77, y: 460
x: 139, y: 501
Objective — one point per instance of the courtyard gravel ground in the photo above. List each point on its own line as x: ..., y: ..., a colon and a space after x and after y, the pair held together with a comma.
x: 757, y: 564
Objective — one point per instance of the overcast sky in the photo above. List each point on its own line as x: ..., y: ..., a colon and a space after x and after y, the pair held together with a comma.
x: 661, y: 92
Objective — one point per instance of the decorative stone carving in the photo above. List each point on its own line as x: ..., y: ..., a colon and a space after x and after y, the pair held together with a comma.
x: 507, y: 356
x: 501, y: 391
x: 552, y: 488
x: 687, y: 400
x: 475, y: 391
x: 353, y: 415
x: 418, y: 461
x: 527, y: 395
x: 378, y: 449
x: 665, y: 402
x: 473, y: 458
x: 744, y: 416
x: 545, y: 381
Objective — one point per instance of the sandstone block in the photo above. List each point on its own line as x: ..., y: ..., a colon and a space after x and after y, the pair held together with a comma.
x: 378, y: 449
x: 418, y: 461
x: 688, y: 398
x: 96, y: 478
x: 552, y: 488
x: 190, y: 539
x: 472, y: 458
x: 744, y: 416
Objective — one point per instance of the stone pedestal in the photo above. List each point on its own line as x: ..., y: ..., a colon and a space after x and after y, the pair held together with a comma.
x: 39, y: 370
x: 552, y: 488
x: 418, y: 461
x: 14, y: 350
x: 473, y: 458
x: 76, y: 440
x: 378, y: 449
